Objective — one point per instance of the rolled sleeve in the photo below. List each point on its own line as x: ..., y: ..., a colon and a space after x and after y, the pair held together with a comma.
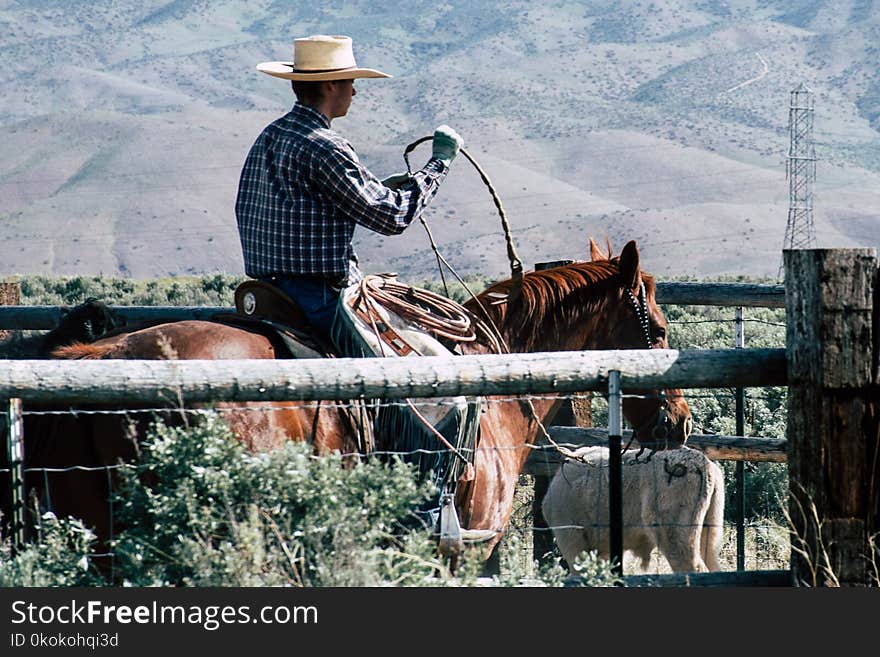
x: 362, y: 197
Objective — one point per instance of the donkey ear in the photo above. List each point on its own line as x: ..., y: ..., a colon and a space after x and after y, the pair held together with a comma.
x: 629, y: 265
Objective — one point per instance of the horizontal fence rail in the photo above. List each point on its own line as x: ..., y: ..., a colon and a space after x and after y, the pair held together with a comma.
x: 19, y: 318
x: 544, y: 460
x: 721, y: 294
x: 163, y: 381
x: 694, y: 294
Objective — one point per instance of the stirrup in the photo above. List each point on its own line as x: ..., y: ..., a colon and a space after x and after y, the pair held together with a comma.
x: 452, y: 536
x: 451, y: 542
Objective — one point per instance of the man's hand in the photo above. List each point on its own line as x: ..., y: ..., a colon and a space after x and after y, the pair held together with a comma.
x: 447, y: 143
x: 397, y: 181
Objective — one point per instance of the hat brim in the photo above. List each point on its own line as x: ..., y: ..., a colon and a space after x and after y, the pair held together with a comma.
x: 286, y: 71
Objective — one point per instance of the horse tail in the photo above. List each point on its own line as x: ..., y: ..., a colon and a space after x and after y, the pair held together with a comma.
x: 713, y: 522
x: 82, y: 351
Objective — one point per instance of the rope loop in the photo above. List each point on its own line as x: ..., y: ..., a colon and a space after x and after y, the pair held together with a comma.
x: 434, y: 313
x: 516, y: 266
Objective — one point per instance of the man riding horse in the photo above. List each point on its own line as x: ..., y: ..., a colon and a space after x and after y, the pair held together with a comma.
x: 303, y: 189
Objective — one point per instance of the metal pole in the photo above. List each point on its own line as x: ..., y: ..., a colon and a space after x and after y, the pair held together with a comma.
x: 740, y: 502
x: 15, y: 458
x: 615, y: 473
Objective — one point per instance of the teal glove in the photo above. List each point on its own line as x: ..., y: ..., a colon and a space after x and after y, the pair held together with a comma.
x: 447, y: 143
x: 397, y: 181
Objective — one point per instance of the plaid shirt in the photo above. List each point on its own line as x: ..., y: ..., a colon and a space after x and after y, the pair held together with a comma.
x: 302, y: 191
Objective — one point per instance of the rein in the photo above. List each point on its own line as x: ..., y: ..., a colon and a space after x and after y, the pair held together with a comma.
x: 516, y: 269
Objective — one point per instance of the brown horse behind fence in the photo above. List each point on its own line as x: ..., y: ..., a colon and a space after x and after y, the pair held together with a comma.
x: 605, y: 303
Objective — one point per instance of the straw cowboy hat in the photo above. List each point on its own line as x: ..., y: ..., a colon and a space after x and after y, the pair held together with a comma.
x: 320, y: 57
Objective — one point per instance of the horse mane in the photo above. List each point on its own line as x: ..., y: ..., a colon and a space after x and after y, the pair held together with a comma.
x: 551, y: 299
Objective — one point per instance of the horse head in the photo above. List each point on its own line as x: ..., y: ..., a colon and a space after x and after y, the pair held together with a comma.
x: 660, y: 419
x: 84, y: 323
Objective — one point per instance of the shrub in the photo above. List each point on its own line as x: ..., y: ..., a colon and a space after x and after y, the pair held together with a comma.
x: 201, y: 510
x: 57, y: 557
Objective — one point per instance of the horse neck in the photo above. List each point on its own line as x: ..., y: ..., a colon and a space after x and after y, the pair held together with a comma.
x: 556, y: 310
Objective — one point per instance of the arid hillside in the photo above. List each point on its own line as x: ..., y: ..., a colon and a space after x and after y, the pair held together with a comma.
x: 123, y: 127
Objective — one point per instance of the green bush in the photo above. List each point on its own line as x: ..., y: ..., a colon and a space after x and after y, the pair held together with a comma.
x: 208, y: 290
x: 201, y: 510
x: 59, y: 556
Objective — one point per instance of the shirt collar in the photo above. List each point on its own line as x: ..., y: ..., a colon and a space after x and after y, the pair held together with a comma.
x: 310, y: 113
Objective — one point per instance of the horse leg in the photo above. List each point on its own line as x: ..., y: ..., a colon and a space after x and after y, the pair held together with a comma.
x: 712, y: 533
x: 492, y: 565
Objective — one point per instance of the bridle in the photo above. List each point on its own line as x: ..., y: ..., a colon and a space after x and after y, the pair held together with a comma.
x: 662, y: 418
x: 641, y: 306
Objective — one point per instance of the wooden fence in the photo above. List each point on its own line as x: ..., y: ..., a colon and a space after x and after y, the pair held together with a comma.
x: 16, y: 317
x: 830, y: 365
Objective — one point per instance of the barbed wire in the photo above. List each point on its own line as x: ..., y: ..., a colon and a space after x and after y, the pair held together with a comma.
x: 281, y: 406
x: 600, y: 524
x: 374, y: 454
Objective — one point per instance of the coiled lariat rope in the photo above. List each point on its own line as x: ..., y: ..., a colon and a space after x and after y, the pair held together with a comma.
x: 440, y: 316
x: 431, y: 312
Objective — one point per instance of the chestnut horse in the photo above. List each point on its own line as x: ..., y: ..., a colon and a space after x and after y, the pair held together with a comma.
x: 605, y: 303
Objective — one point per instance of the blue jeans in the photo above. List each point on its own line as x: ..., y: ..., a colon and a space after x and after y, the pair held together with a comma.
x: 317, y: 297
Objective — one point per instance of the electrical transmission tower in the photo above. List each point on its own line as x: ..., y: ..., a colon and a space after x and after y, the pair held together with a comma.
x: 801, y: 172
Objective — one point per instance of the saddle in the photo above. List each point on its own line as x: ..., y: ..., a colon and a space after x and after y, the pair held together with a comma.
x: 264, y: 308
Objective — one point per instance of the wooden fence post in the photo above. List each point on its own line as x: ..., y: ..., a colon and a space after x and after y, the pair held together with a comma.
x: 832, y: 436
x: 10, y: 295
x: 15, y: 459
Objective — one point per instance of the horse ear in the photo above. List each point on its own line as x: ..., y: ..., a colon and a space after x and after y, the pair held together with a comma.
x: 629, y: 265
x: 595, y: 253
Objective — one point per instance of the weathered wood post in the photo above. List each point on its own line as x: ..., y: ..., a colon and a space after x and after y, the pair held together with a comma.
x: 15, y: 460
x: 832, y: 439
x: 10, y: 295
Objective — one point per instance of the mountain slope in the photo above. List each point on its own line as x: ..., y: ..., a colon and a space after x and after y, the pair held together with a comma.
x: 124, y: 126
